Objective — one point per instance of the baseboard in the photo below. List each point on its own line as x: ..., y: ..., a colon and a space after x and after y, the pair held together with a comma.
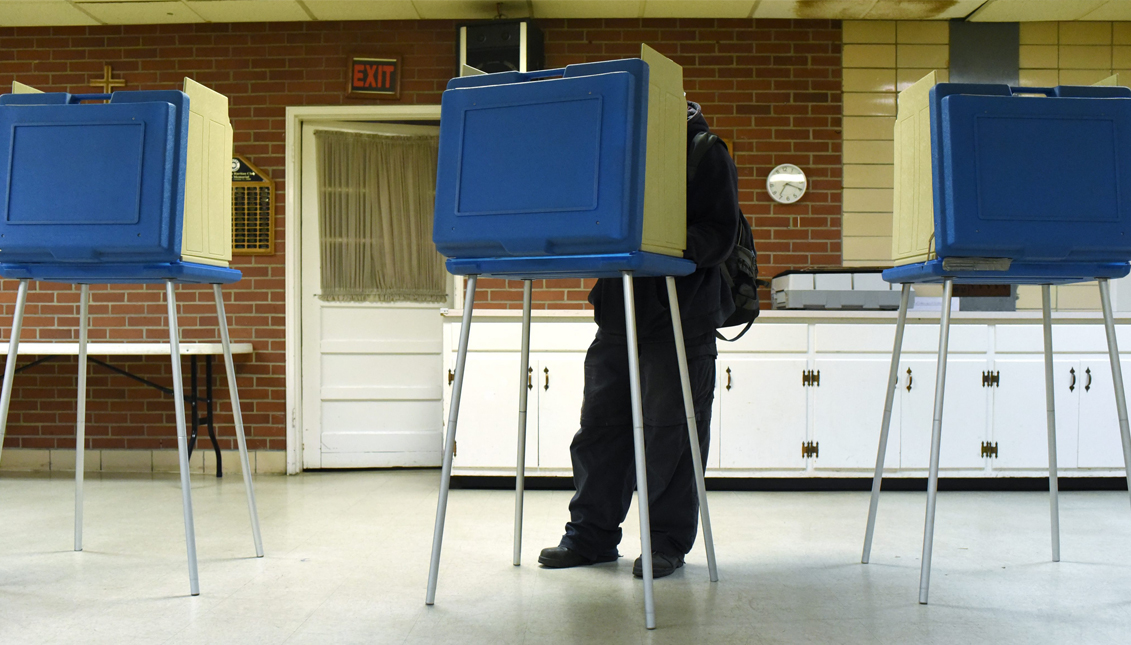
x: 262, y: 462
x: 1034, y: 484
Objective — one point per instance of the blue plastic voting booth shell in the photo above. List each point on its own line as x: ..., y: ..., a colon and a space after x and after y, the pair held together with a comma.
x: 94, y: 193
x: 573, y: 266
x: 1044, y: 181
x: 531, y: 167
x: 93, y: 182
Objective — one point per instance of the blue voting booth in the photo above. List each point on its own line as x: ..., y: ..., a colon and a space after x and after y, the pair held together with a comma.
x: 1005, y: 185
x: 134, y: 189
x: 574, y: 172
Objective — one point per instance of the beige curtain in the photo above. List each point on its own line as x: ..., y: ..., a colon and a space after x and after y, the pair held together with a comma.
x: 375, y: 199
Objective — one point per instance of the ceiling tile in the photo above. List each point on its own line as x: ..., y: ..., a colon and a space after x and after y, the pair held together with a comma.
x: 42, y: 12
x: 922, y: 9
x: 588, y: 8
x: 140, y: 13
x: 1034, y: 10
x: 821, y: 9
x: 470, y: 9
x: 1111, y: 10
x: 248, y: 10
x: 699, y: 9
x: 362, y: 10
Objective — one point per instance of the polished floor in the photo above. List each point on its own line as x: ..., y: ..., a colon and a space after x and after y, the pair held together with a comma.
x: 347, y: 562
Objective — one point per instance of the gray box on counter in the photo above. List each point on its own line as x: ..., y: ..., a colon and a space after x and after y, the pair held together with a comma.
x: 834, y: 289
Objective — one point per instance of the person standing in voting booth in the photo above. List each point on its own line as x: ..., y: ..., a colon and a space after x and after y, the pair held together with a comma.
x: 602, y: 450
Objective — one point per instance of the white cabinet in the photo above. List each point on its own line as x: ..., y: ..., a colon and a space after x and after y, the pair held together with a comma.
x: 1020, y: 418
x: 487, y: 432
x: 762, y: 421
x: 1100, y: 445
x: 558, y: 379
x: 848, y: 408
x: 965, y: 407
x: 819, y: 382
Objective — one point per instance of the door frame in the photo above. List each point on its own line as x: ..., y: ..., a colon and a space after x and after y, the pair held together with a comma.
x: 292, y: 232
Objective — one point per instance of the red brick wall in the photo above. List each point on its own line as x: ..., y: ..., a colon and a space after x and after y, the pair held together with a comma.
x: 770, y: 86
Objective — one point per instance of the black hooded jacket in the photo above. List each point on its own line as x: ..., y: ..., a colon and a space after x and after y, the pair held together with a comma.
x: 712, y: 227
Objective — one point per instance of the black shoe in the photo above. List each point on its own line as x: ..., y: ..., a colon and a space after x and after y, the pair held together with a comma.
x: 662, y: 565
x: 560, y: 557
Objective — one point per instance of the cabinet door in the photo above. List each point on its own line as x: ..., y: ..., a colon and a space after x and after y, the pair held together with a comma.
x: 559, y: 379
x: 487, y: 432
x: 1020, y: 420
x: 964, y: 413
x: 764, y: 412
x: 1100, y: 444
x: 848, y: 410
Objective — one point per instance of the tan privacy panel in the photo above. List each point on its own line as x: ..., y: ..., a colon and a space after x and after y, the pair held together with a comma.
x: 20, y: 88
x: 207, y: 234
x: 665, y: 175
x: 913, y: 213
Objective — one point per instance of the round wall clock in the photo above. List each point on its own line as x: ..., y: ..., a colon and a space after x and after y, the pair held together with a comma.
x: 786, y: 183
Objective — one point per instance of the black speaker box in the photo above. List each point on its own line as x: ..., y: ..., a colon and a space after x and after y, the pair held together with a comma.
x: 500, y: 46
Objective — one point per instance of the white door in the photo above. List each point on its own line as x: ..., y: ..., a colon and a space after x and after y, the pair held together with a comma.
x: 371, y: 372
x: 559, y: 378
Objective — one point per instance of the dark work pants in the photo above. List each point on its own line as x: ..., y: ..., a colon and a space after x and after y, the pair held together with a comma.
x: 604, y: 467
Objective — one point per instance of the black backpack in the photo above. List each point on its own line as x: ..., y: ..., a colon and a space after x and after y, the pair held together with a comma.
x: 740, y: 269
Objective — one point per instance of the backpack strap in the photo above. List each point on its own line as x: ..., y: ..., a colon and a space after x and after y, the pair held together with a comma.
x: 731, y: 340
x: 700, y: 144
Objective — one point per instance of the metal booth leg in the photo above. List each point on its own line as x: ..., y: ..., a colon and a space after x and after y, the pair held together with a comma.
x: 692, y: 429
x: 523, y: 386
x: 885, y: 427
x: 1050, y: 407
x: 1116, y: 377
x: 450, y: 442
x: 80, y: 414
x: 237, y: 417
x: 638, y: 441
x: 182, y: 438
x: 936, y: 441
x: 10, y: 362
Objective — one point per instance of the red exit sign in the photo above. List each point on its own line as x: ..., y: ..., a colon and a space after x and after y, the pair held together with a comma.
x: 377, y: 77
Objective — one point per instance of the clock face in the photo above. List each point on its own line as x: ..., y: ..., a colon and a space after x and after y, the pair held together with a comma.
x: 786, y: 183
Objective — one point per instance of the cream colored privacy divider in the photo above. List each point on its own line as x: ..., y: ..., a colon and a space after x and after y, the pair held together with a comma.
x: 207, y: 234
x: 665, y: 174
x: 913, y: 213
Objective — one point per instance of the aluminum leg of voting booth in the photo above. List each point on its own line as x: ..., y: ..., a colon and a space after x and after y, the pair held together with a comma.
x: 638, y: 438
x: 1116, y: 377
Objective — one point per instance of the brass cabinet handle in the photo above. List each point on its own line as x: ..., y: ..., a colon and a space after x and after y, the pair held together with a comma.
x: 909, y: 379
x: 1088, y: 385
x: 547, y: 372
x: 728, y: 378
x: 1072, y: 385
x: 530, y: 378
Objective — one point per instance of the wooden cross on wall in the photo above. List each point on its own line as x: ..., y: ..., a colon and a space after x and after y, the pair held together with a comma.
x: 106, y: 82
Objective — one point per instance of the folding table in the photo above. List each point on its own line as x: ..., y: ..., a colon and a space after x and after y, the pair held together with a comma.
x: 1000, y: 185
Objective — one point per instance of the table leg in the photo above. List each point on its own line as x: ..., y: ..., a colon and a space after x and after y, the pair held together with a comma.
x: 520, y: 467
x: 237, y: 418
x: 936, y: 442
x: 692, y: 429
x: 1116, y: 377
x: 885, y: 426
x: 638, y: 440
x: 208, y: 418
x: 10, y: 361
x: 1050, y: 409
x: 182, y: 438
x: 450, y: 442
x: 80, y: 414
x: 192, y: 400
